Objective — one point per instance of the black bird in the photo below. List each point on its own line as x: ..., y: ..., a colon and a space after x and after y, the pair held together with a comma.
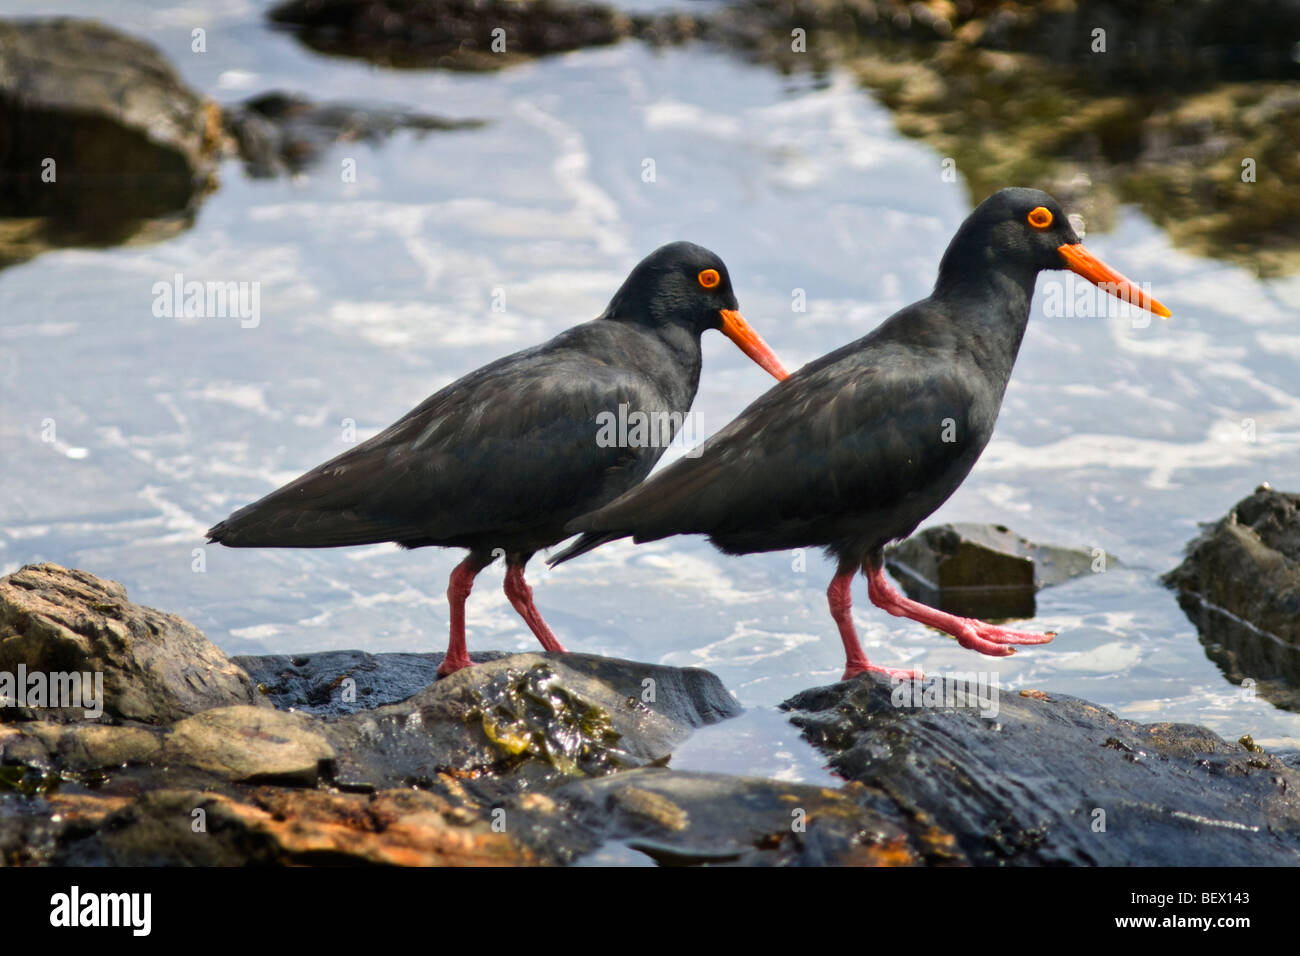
x: 856, y: 448
x: 501, y: 460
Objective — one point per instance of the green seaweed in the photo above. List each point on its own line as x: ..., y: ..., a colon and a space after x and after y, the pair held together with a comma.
x: 530, y: 715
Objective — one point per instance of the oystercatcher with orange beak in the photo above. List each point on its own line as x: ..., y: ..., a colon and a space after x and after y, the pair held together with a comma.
x: 501, y: 460
x: 858, y: 447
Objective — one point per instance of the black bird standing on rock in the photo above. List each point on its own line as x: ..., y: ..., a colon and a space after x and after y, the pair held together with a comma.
x: 856, y: 448
x: 501, y: 460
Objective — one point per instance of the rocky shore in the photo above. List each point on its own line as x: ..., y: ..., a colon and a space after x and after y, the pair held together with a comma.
x: 195, y: 758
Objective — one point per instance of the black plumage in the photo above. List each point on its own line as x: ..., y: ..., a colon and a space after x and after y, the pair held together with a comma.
x: 499, y: 461
x: 856, y: 448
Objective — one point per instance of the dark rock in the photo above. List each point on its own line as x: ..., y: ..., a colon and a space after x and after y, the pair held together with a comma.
x: 689, y: 819
x: 281, y: 133
x: 449, y: 34
x: 271, y: 827
x: 985, y: 571
x: 134, y: 148
x: 458, y: 34
x: 1034, y: 784
x: 156, y: 668
x: 192, y: 765
x: 532, y: 717
x: 334, y: 683
x: 1240, y: 586
x: 1248, y: 563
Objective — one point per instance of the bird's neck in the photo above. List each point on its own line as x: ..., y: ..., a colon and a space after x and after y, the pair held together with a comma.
x: 989, y: 301
x: 681, y: 346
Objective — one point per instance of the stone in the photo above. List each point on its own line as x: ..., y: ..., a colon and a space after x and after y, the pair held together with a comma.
x: 1052, y: 780
x: 280, y: 133
x: 135, y: 149
x: 985, y: 571
x: 156, y: 668
x: 536, y: 716
x: 1240, y: 585
x: 250, y: 745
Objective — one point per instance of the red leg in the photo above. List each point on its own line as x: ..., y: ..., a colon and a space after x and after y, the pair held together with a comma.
x: 970, y: 633
x: 840, y: 598
x: 458, y: 588
x: 521, y: 599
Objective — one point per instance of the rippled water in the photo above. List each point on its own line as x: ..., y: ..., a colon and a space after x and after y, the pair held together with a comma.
x: 377, y: 293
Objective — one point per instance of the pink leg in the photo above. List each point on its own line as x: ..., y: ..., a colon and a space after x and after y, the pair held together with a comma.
x: 458, y: 588
x: 970, y: 633
x: 840, y: 598
x: 521, y: 598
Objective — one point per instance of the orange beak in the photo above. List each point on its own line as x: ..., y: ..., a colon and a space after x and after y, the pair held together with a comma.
x: 748, y: 341
x: 1080, y: 260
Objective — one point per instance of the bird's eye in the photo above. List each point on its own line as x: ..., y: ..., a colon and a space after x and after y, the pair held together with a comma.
x: 710, y: 278
x: 1040, y: 217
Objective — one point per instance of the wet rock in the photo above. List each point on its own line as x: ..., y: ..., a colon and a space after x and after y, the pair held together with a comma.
x: 155, y: 668
x: 692, y: 819
x: 530, y: 718
x: 366, y: 761
x: 77, y: 748
x: 133, y: 148
x: 277, y: 828
x: 985, y: 571
x: 278, y: 133
x: 459, y: 34
x: 335, y: 683
x: 1240, y: 586
x: 1052, y: 779
x: 250, y: 745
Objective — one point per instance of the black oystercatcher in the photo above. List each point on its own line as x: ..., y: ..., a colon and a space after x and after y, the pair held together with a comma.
x: 856, y: 448
x: 501, y: 460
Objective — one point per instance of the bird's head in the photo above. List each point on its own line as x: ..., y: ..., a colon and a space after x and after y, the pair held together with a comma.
x: 1026, y: 228
x: 685, y: 285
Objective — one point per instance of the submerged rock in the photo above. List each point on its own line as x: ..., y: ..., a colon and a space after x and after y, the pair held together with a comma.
x: 279, y: 133
x: 692, y: 819
x: 465, y: 34
x: 1050, y: 779
x: 101, y: 143
x: 985, y: 571
x: 1240, y: 586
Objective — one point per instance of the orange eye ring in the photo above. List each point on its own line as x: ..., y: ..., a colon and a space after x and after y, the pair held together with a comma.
x: 709, y: 278
x: 1040, y: 217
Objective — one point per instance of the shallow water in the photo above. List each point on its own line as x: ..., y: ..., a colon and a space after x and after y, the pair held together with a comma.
x: 374, y: 294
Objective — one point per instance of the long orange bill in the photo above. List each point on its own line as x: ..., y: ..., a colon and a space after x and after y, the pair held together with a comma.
x: 748, y: 341
x: 1080, y: 260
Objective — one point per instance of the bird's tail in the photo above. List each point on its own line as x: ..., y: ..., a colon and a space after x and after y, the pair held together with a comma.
x: 588, y: 542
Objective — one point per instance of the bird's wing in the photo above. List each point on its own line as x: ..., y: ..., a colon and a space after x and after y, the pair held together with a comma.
x: 849, y: 434
x: 508, y: 447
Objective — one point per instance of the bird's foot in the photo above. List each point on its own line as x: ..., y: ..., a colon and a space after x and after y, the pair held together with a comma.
x: 1004, y: 635
x: 452, y: 663
x: 992, y: 640
x: 853, y: 668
